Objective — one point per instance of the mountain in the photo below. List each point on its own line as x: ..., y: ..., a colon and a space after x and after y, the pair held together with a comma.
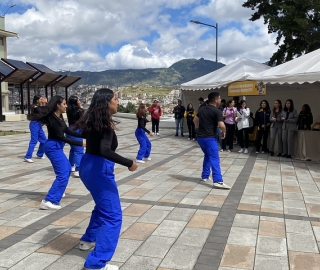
x: 180, y: 72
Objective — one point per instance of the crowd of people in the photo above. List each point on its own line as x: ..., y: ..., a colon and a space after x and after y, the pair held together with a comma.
x: 91, y: 135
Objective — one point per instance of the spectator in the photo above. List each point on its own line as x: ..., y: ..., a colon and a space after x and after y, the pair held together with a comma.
x: 179, y: 116
x: 289, y: 117
x: 202, y: 103
x: 305, y: 118
x: 155, y: 112
x: 262, y: 121
x: 242, y: 119
x: 229, y: 113
x: 276, y: 127
x: 190, y: 113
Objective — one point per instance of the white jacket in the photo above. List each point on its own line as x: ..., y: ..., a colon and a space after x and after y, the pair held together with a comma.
x: 243, y: 118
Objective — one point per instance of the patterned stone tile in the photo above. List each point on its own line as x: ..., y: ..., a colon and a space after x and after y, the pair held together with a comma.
x: 72, y: 219
x: 238, y: 257
x: 136, y: 210
x: 271, y: 228
x: 139, y: 231
x: 303, y: 261
x: 6, y: 231
x: 202, y: 221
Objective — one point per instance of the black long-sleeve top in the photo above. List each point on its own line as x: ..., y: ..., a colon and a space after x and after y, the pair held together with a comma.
x: 104, y: 145
x: 142, y: 124
x: 58, y: 127
x: 72, y: 119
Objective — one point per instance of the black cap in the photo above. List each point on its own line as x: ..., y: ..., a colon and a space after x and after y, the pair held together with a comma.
x: 201, y: 99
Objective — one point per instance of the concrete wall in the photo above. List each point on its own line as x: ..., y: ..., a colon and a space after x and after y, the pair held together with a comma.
x: 300, y: 94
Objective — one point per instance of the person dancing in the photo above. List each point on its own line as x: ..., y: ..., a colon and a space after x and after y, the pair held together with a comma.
x: 74, y: 113
x: 145, y: 144
x: 97, y: 174
x: 51, y: 116
x: 36, y: 131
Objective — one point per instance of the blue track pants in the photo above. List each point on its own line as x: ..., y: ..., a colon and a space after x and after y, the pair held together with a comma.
x: 97, y: 174
x: 145, y: 144
x: 61, y: 167
x: 211, y: 159
x: 37, y: 135
x: 76, y: 152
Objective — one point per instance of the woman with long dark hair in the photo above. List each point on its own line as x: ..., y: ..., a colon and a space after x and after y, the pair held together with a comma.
x: 262, y: 121
x: 190, y: 113
x: 229, y: 113
x: 51, y: 116
x: 305, y: 118
x: 289, y: 117
x: 36, y: 131
x: 144, y: 142
x: 276, y: 127
x: 74, y: 113
x: 97, y: 174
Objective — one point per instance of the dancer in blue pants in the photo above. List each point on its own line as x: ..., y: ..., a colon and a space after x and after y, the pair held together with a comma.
x: 74, y: 113
x: 51, y: 116
x: 97, y: 174
x: 145, y: 144
x: 37, y: 133
x: 207, y: 119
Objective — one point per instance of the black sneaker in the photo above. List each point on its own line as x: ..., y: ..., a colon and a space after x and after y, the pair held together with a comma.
x: 176, y: 135
x: 182, y: 135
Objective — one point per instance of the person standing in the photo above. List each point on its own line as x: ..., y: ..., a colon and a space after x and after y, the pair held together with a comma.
x: 202, y: 103
x: 207, y: 120
x: 289, y: 117
x: 97, y: 174
x: 144, y: 142
x: 262, y: 121
x: 178, y: 116
x: 229, y: 113
x: 276, y: 127
x: 190, y: 113
x: 36, y: 131
x: 156, y: 112
x: 51, y: 116
x: 305, y: 118
x: 74, y: 113
x: 242, y: 119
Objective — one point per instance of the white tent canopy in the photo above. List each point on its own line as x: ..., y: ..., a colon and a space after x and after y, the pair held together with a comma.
x: 239, y: 70
x: 303, y: 69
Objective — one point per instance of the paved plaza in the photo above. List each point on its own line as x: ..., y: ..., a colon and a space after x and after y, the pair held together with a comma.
x: 269, y: 220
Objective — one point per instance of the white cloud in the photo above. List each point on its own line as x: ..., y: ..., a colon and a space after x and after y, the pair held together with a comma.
x: 70, y: 34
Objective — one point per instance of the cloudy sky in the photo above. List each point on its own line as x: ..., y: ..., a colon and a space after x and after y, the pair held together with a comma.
x: 100, y: 34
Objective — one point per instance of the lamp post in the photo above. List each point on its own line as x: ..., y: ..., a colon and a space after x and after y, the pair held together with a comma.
x: 216, y: 27
x: 7, y: 10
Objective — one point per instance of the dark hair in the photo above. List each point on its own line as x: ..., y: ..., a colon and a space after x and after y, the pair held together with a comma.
x: 291, y: 106
x: 223, y: 100
x: 236, y: 99
x: 189, y: 105
x: 307, y: 109
x: 243, y: 101
x: 229, y: 102
x: 47, y: 112
x: 213, y: 96
x: 141, y: 112
x: 179, y: 100
x: 280, y: 106
x: 97, y: 117
x: 201, y: 99
x: 35, y: 100
x: 73, y: 109
x: 267, y: 105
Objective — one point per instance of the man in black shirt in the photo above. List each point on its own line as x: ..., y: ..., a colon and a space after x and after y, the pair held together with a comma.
x: 207, y: 119
x: 201, y: 103
x: 179, y: 117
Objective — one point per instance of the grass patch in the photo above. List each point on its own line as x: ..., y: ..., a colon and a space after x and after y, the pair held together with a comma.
x: 10, y: 132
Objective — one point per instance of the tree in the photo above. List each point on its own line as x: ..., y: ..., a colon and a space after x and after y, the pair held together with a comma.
x: 296, y: 22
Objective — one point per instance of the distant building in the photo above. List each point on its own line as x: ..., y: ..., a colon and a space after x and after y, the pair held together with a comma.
x: 3, y: 54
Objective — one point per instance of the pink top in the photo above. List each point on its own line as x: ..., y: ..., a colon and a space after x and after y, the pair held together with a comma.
x: 229, y: 119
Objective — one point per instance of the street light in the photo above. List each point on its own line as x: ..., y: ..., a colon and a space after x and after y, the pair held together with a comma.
x: 216, y: 27
x: 7, y: 10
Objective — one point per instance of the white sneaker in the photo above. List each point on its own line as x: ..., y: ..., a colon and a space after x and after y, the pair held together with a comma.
x: 193, y: 139
x: 189, y: 139
x: 140, y: 161
x: 73, y: 168
x: 206, y: 179
x: 221, y: 150
x: 257, y: 152
x: 76, y: 174
x: 229, y: 151
x: 107, y: 267
x: 63, y: 195
x: 262, y: 152
x: 158, y: 134
x: 43, y: 157
x: 86, y: 245
x: 29, y: 160
x: 45, y: 205
x: 147, y: 158
x: 221, y: 185
x: 245, y: 151
x: 241, y: 150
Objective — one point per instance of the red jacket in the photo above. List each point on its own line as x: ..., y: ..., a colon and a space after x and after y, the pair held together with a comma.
x: 155, y: 111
